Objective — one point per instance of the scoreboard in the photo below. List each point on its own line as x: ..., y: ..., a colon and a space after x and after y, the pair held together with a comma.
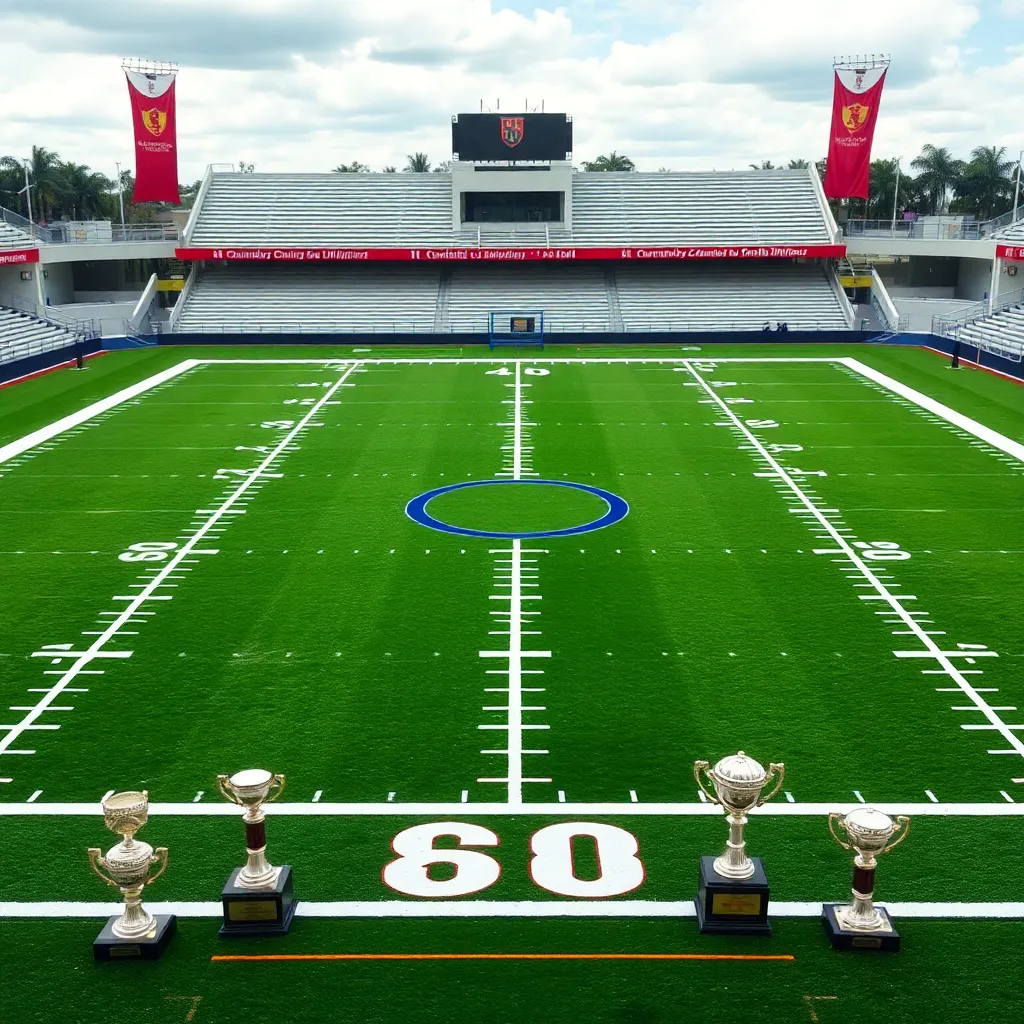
x: 512, y: 137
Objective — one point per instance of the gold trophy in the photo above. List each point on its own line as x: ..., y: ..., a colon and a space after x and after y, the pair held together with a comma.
x: 860, y: 924
x: 732, y: 893
x: 135, y: 933
x: 258, y: 897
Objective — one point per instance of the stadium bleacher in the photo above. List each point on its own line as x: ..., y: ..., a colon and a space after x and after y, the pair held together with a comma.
x: 729, y: 296
x: 23, y: 335
x: 1001, y: 333
x: 12, y: 238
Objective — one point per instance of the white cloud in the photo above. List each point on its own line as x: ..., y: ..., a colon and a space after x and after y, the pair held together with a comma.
x: 300, y: 85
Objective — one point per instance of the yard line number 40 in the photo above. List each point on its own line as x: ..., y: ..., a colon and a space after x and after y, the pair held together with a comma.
x: 619, y: 869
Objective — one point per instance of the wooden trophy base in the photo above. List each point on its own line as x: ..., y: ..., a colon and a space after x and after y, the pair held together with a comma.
x: 258, y: 911
x: 730, y: 906
x: 109, y: 946
x: 885, y: 939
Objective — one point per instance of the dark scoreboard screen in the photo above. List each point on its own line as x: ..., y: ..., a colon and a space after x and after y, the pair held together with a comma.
x: 511, y: 136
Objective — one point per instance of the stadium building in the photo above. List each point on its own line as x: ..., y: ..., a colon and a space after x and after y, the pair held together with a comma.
x: 457, y: 255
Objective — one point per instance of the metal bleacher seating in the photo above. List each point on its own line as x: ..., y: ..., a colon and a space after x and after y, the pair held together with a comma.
x: 12, y: 238
x: 572, y: 298
x: 325, y: 209
x: 1001, y: 333
x: 716, y: 296
x: 720, y: 208
x: 327, y: 298
x: 22, y: 335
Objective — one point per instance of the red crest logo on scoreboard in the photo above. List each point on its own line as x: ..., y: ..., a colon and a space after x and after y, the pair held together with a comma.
x: 512, y: 131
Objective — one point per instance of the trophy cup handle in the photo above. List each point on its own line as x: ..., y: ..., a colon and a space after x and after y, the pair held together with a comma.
x: 903, y: 827
x: 225, y: 789
x: 773, y: 768
x: 159, y: 857
x: 833, y: 817
x: 278, y: 782
x: 698, y: 767
x: 95, y: 860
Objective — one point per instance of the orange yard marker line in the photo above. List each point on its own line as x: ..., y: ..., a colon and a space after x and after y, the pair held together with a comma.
x: 501, y: 956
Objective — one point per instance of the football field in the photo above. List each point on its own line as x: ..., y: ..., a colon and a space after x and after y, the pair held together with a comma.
x: 484, y: 612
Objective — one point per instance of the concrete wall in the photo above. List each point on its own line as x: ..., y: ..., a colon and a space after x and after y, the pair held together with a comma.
x: 12, y: 284
x: 466, y: 178
x: 975, y: 280
x: 58, y: 284
x: 920, y: 311
x: 111, y: 315
x: 909, y: 291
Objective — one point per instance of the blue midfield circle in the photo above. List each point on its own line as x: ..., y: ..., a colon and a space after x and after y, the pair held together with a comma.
x: 416, y: 510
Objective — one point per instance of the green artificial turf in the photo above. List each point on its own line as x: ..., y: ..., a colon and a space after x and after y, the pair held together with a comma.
x: 333, y: 639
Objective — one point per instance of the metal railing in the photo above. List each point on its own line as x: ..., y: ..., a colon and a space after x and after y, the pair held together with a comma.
x: 82, y: 329
x: 559, y: 327
x: 12, y: 351
x: 95, y: 233
x: 967, y: 230
x: 948, y: 325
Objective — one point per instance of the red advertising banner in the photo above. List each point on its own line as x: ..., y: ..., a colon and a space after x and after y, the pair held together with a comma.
x: 156, y: 145
x: 11, y: 256
x: 271, y: 254
x: 1010, y: 252
x: 858, y: 95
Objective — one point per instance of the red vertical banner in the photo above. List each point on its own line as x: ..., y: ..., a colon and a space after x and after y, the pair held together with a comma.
x: 156, y: 145
x: 858, y: 95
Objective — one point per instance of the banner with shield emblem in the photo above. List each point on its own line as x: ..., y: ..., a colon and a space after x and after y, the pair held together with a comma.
x: 855, y: 103
x: 151, y: 90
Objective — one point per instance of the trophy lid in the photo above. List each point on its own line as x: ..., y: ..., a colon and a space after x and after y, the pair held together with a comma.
x: 868, y: 821
x: 741, y: 770
x: 251, y: 777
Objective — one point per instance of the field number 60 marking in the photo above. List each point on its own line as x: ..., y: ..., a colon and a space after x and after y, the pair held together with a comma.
x: 881, y: 551
x: 147, y: 551
x: 551, y: 867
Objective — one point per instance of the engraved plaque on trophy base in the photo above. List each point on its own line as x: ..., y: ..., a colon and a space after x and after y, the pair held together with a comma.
x: 151, y: 946
x: 886, y: 939
x: 258, y: 911
x: 731, y: 906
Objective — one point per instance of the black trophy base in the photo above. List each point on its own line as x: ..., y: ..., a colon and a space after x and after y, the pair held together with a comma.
x: 258, y: 911
x: 109, y: 946
x: 729, y: 906
x: 885, y: 940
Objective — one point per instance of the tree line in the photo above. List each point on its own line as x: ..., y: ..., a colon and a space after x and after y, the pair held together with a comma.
x: 65, y: 190
x: 982, y: 185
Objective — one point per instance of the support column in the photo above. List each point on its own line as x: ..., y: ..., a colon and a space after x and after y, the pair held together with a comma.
x: 997, y: 266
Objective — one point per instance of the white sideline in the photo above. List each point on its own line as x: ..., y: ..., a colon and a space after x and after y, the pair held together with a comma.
x: 931, y: 649
x: 459, y: 811
x: 75, y: 419
x: 502, y: 908
x: 979, y: 430
x: 95, y: 650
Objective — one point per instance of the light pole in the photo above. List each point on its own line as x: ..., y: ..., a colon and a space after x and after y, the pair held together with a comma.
x: 896, y: 195
x: 1016, y: 189
x: 27, y: 190
x: 120, y: 196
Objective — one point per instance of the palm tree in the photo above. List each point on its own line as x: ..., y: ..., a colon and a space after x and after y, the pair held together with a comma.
x: 390, y: 169
x: 882, y: 188
x: 419, y: 163
x: 81, y: 191
x: 353, y: 168
x: 43, y: 179
x: 612, y: 162
x: 940, y: 173
x: 443, y: 167
x: 764, y: 165
x: 987, y: 182
x: 798, y: 165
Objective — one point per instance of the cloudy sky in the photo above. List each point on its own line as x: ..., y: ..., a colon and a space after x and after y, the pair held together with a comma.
x: 303, y: 85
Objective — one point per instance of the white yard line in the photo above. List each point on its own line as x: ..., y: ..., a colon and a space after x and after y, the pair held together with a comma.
x: 506, y: 908
x: 978, y: 430
x: 511, y: 574
x: 459, y: 811
x: 930, y: 649
x: 81, y: 659
x: 75, y: 419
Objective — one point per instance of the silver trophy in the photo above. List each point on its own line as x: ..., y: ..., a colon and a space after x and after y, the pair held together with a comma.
x: 738, y: 783
x: 252, y: 789
x: 868, y: 832
x: 128, y: 864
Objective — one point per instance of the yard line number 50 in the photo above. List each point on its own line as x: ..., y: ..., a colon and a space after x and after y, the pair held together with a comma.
x: 619, y: 869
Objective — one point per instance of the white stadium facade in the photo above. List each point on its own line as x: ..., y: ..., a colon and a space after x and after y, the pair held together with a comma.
x: 428, y: 257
